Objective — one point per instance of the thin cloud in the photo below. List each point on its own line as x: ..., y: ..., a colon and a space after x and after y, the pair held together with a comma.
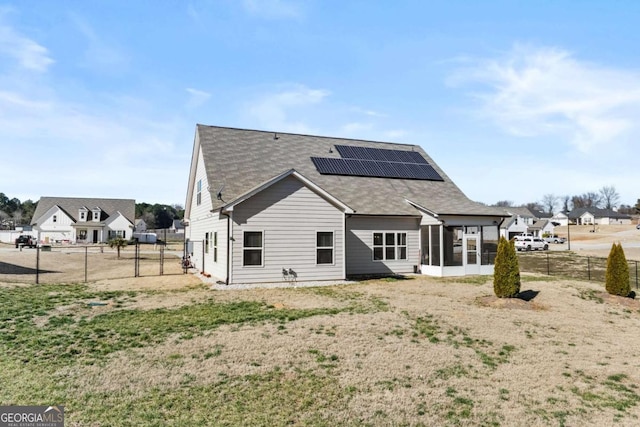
x: 547, y: 91
x: 370, y: 113
x: 29, y: 54
x: 100, y: 53
x: 275, y: 110
x: 197, y: 97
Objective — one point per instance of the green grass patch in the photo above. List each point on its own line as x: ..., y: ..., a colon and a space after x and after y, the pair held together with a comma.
x: 295, y: 398
x: 64, y: 339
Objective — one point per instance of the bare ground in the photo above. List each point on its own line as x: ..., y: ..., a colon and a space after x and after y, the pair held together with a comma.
x: 443, y: 352
x: 546, y: 361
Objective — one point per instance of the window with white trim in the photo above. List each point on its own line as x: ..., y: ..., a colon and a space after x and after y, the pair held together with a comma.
x: 199, y: 193
x: 324, y: 247
x: 252, y: 248
x: 215, y: 246
x: 389, y: 246
x: 55, y: 218
x: 206, y: 242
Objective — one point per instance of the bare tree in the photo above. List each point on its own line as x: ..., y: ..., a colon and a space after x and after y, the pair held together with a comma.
x: 535, y: 206
x: 504, y: 203
x: 149, y: 219
x: 565, y: 204
x: 610, y: 197
x: 586, y: 200
x: 17, y: 217
x: 4, y: 219
x: 549, y: 202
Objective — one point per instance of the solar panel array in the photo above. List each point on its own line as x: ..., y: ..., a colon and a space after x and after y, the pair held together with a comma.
x: 378, y: 163
x: 381, y: 154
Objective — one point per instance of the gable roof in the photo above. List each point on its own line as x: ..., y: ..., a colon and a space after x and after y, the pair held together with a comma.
x: 597, y: 213
x: 539, y: 225
x: 239, y: 160
x: 71, y: 206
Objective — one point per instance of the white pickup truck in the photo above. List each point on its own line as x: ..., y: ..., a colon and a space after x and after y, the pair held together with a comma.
x: 529, y: 243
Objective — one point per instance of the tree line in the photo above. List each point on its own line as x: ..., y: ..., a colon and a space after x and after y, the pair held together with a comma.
x: 14, y: 212
x: 605, y: 198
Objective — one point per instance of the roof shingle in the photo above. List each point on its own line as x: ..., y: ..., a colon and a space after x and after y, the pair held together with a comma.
x: 238, y: 160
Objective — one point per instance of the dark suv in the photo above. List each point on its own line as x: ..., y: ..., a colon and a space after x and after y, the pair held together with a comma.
x: 26, y: 240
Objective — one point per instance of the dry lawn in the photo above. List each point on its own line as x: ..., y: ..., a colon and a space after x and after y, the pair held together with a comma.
x: 422, y: 351
x: 157, y: 351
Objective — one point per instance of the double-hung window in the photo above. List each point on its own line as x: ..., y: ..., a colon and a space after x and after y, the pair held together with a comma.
x: 324, y: 247
x: 252, y: 248
x: 215, y: 246
x: 199, y: 193
x: 389, y: 246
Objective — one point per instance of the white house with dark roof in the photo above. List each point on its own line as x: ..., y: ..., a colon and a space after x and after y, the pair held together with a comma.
x: 270, y: 207
x: 525, y: 220
x: 83, y: 220
x: 591, y: 216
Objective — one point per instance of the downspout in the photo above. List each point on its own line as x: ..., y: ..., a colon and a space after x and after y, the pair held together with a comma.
x: 228, y: 245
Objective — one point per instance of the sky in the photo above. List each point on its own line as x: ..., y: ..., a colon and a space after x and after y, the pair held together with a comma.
x: 514, y: 100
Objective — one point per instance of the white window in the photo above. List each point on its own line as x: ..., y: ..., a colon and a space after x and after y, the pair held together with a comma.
x: 199, y: 193
x: 389, y: 246
x: 252, y: 247
x: 215, y: 246
x: 324, y: 247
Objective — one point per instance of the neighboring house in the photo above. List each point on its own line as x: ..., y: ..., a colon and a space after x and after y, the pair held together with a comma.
x: 560, y: 218
x: 83, y: 220
x: 140, y: 225
x: 521, y: 220
x: 592, y: 216
x: 177, y: 227
x: 271, y: 207
x: 541, y: 228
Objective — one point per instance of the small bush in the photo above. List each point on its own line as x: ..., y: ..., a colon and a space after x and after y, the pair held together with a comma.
x: 506, y: 276
x: 617, y: 276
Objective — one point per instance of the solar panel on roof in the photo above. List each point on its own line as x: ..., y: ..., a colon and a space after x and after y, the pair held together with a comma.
x: 381, y: 154
x: 375, y: 168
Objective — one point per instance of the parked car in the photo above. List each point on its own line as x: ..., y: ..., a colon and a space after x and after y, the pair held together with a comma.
x: 527, y: 243
x: 26, y: 240
x: 555, y: 239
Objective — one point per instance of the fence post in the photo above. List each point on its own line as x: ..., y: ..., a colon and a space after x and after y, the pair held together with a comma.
x: 548, y: 267
x: 589, y: 267
x: 161, y: 260
x: 136, y: 260
x: 37, y: 264
x: 203, y: 248
x: 86, y: 254
x: 636, y: 274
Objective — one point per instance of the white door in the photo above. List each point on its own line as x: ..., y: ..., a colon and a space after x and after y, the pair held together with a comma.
x: 471, y: 258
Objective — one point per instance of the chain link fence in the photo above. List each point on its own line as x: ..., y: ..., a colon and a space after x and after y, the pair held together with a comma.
x: 566, y: 264
x: 74, y: 264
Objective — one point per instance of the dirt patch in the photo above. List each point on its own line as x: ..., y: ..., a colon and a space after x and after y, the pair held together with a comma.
x: 157, y: 283
x: 632, y: 303
x: 509, y: 303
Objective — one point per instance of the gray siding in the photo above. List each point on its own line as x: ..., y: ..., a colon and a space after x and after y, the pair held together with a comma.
x: 204, y: 221
x: 289, y: 214
x: 360, y: 245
